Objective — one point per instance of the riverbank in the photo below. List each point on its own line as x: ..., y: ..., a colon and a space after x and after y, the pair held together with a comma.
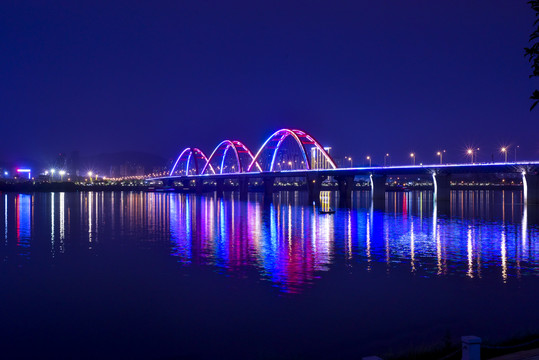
x: 523, y: 347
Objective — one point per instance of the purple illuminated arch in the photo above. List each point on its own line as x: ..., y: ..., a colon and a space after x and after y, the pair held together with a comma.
x: 191, y: 153
x: 302, y: 139
x: 240, y: 151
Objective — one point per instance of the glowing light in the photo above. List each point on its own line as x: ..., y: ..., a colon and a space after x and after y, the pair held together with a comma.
x: 504, y: 151
x: 26, y: 171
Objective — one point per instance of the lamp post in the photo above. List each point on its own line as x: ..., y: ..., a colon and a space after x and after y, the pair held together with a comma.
x: 516, y: 147
x: 441, y: 155
x: 370, y: 161
x: 504, y: 151
x: 386, y: 156
x: 470, y: 152
x: 62, y: 173
x: 412, y: 155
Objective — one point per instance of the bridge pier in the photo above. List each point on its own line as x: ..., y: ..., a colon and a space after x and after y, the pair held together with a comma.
x: 168, y: 183
x: 243, y: 187
x: 378, y: 187
x: 442, y: 187
x: 267, y: 182
x: 346, y: 185
x: 314, y: 186
x: 198, y: 186
x: 531, y: 188
x: 219, y: 187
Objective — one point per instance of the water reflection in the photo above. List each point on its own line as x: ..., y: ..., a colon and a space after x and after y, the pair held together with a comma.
x: 287, y: 242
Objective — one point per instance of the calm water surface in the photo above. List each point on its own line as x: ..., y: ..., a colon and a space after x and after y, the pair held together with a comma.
x: 152, y: 275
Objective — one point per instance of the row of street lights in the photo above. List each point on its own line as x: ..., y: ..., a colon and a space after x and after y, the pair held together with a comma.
x: 472, y: 152
x: 53, y: 171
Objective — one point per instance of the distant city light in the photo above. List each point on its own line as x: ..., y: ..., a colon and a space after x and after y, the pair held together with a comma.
x: 26, y: 171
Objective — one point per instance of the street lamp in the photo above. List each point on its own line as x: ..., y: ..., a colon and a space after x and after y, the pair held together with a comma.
x: 62, y: 173
x: 290, y: 164
x: 441, y: 155
x: 470, y: 152
x: 504, y: 151
x: 350, y: 158
x: 386, y: 156
x: 516, y: 147
x: 370, y: 161
x: 412, y: 155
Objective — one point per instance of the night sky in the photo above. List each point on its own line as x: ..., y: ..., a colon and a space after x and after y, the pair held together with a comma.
x: 365, y: 77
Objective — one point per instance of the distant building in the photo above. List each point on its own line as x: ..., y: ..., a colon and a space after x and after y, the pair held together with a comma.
x: 114, y: 171
x: 139, y: 170
x: 319, y: 160
x: 73, y: 163
x: 60, y: 162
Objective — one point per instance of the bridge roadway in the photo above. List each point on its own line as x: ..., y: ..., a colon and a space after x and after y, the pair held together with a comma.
x: 441, y: 175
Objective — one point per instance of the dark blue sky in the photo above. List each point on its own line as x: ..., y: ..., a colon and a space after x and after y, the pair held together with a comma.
x: 365, y: 77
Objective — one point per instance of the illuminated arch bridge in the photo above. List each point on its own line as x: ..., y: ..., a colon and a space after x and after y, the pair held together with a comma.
x: 285, y: 149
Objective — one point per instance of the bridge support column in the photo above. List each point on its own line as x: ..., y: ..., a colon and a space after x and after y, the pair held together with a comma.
x: 243, y: 187
x: 314, y: 186
x: 346, y: 185
x: 378, y: 187
x: 268, y: 188
x: 219, y: 187
x: 531, y: 188
x: 168, y: 183
x: 442, y: 187
x: 198, y: 186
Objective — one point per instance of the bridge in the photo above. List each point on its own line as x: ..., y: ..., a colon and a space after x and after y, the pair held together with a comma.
x: 292, y: 153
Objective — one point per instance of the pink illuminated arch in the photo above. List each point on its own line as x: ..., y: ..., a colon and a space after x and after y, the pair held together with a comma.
x: 222, y: 149
x: 302, y: 139
x: 188, y: 154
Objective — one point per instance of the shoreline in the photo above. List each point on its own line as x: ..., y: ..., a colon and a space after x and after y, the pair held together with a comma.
x: 74, y: 187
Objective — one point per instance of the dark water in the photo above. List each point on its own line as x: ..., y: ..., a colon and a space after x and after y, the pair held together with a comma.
x: 151, y: 275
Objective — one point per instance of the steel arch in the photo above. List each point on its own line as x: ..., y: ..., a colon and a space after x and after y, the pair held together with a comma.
x: 189, y: 152
x: 301, y: 137
x: 238, y: 147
